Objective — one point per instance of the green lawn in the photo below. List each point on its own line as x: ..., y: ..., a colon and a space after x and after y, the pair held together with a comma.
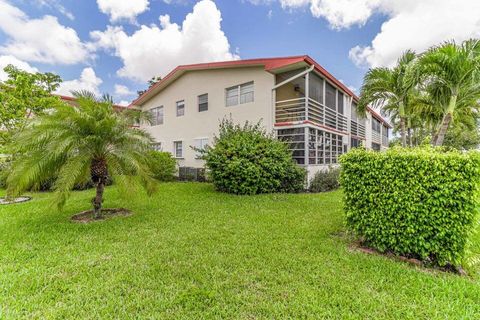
x: 189, y: 252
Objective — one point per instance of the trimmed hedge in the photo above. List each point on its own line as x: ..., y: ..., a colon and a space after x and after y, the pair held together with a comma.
x: 246, y: 160
x: 418, y: 203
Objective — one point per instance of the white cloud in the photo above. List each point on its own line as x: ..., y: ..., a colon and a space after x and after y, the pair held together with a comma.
x: 55, y: 4
x: 154, y: 50
x: 123, y: 9
x: 39, y: 40
x: 124, y: 103
x: 122, y: 90
x: 6, y: 60
x: 409, y: 24
x: 88, y: 81
x: 419, y: 25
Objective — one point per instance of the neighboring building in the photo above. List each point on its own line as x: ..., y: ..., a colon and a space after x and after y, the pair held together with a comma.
x: 294, y: 97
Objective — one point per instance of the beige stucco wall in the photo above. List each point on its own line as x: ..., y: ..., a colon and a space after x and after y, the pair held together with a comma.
x: 196, y: 124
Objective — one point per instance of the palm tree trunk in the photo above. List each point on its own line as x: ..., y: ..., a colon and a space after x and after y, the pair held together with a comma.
x: 402, y: 132
x: 99, y: 174
x: 442, y: 131
x: 97, y: 201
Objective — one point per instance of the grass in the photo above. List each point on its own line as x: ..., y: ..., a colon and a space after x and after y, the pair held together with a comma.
x: 189, y: 252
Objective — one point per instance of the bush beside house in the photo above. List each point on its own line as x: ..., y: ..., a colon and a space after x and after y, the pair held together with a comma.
x: 419, y: 203
x: 246, y: 160
x: 327, y: 180
x: 163, y: 165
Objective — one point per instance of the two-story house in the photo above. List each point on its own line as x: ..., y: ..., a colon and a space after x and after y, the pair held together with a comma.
x: 296, y: 98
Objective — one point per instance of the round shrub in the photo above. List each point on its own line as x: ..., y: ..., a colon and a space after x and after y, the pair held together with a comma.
x: 327, y: 180
x: 246, y: 160
x: 163, y: 165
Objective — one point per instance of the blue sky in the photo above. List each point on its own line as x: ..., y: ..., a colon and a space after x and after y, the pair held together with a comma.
x: 114, y: 46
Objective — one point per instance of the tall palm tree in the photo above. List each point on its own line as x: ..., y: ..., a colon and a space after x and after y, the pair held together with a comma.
x: 386, y: 87
x: 76, y: 144
x: 451, y: 73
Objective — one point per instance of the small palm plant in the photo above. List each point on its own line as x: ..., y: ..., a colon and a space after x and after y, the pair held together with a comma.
x: 76, y: 144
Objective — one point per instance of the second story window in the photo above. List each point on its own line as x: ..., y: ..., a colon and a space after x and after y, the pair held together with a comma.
x: 203, y: 102
x: 157, y: 116
x: 243, y: 93
x: 180, y: 108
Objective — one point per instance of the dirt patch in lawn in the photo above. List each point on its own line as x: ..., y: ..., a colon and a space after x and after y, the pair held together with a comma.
x: 4, y: 200
x: 87, y: 216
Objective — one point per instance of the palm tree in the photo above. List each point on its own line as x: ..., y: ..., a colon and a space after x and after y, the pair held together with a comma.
x: 451, y: 73
x: 75, y: 144
x: 387, y: 88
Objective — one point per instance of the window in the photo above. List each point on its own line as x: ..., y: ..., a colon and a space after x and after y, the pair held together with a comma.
x: 340, y: 103
x: 157, y: 146
x: 355, y: 143
x: 157, y: 115
x: 375, y: 146
x: 376, y: 125
x: 203, y: 102
x: 323, y: 147
x: 180, y: 108
x: 200, y: 143
x: 243, y: 93
x: 178, y: 149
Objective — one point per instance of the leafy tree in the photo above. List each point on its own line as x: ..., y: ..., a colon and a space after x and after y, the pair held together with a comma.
x: 451, y: 75
x: 462, y: 136
x: 387, y: 88
x: 22, y: 95
x: 89, y: 141
x: 151, y: 83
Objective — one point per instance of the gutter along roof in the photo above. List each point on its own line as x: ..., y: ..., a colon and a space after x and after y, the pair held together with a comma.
x: 272, y: 65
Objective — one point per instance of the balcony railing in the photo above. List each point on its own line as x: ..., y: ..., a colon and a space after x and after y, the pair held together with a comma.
x: 357, y: 129
x: 296, y: 110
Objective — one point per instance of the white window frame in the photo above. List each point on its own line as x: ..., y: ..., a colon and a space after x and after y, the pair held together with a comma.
x: 175, y: 155
x: 157, y: 146
x: 178, y: 104
x: 237, y: 94
x: 200, y: 143
x: 202, y: 103
x: 154, y: 112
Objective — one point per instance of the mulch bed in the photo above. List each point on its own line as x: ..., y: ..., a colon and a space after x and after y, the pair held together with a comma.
x: 87, y: 216
x: 15, y: 200
x: 357, y: 246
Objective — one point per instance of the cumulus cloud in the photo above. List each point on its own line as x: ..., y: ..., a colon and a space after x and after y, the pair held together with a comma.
x: 124, y: 103
x: 6, y: 60
x: 156, y: 49
x: 409, y: 24
x: 56, y: 5
x: 123, y: 9
x: 39, y: 40
x: 88, y: 81
x: 121, y: 90
x: 418, y: 25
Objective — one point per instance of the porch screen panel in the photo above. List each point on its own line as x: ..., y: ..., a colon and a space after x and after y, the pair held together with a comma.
x: 295, y: 139
x: 340, y: 103
x: 330, y: 96
x: 315, y: 88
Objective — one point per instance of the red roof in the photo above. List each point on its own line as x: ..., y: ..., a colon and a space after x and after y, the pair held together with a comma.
x: 270, y: 65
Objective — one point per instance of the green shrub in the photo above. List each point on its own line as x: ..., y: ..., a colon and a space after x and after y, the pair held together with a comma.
x: 327, y: 180
x: 163, y: 165
x: 246, y: 160
x: 419, y: 202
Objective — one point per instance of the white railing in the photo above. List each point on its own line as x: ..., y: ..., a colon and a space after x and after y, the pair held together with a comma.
x: 296, y: 110
x: 376, y: 137
x: 357, y: 129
